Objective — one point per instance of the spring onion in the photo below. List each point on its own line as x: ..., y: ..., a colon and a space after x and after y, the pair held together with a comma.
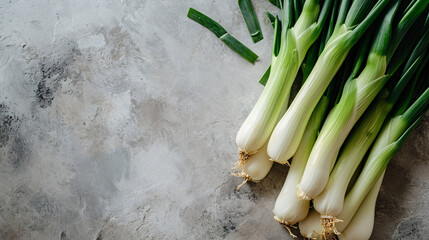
x: 289, y: 209
x: 364, y: 89
x: 357, y: 96
x: 330, y: 202
x: 389, y: 141
x: 222, y: 34
x: 295, y: 41
x: 349, y: 29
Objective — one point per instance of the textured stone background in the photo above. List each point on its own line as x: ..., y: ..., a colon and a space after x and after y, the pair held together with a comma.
x: 118, y: 121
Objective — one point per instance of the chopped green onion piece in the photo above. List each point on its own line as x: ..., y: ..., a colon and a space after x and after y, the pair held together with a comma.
x: 207, y: 22
x: 239, y: 48
x: 251, y: 20
x: 221, y: 33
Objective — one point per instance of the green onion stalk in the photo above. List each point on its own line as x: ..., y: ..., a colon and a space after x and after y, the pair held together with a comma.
x: 391, y: 138
x: 286, y: 59
x: 311, y: 227
x: 330, y: 202
x: 357, y: 95
x: 362, y: 223
x: 251, y: 20
x: 349, y: 28
x: 258, y: 164
x: 289, y: 208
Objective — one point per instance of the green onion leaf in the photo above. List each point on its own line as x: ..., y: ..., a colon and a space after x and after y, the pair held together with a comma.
x: 251, y: 20
x: 276, y: 46
x: 413, y: 11
x: 271, y: 18
x: 276, y: 3
x: 264, y: 78
x: 277, y: 37
x: 221, y: 33
x: 297, y: 8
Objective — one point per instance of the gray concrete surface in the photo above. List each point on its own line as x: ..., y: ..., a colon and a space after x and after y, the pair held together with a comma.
x: 118, y: 121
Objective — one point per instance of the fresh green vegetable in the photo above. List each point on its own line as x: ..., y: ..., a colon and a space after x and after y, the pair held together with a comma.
x: 295, y: 41
x: 255, y: 166
x: 289, y: 209
x: 349, y: 28
x: 221, y: 33
x: 391, y: 138
x: 357, y: 96
x: 364, y: 89
x: 251, y: 20
x: 329, y: 203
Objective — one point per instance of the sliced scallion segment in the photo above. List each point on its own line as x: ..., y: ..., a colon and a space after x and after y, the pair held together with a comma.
x: 222, y: 34
x: 239, y: 48
x: 251, y: 20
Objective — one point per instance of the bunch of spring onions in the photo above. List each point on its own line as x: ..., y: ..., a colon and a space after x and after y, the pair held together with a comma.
x: 351, y: 114
x: 362, y: 69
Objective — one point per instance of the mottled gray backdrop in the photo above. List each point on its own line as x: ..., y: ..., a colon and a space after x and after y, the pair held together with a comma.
x: 118, y: 121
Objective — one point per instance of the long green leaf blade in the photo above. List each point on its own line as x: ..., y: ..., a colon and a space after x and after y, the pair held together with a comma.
x: 412, y: 13
x: 276, y: 3
x: 251, y: 20
x: 264, y: 78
